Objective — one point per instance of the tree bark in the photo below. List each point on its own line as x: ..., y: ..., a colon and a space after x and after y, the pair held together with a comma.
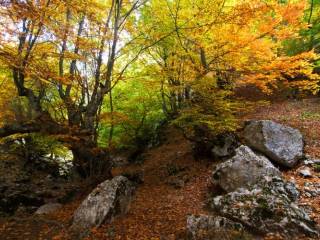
x: 91, y: 161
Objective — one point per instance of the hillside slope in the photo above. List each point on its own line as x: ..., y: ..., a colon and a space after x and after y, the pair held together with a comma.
x: 175, y: 185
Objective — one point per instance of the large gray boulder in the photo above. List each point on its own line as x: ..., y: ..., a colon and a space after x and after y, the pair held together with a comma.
x: 243, y: 170
x: 267, y: 207
x: 107, y: 200
x: 282, y: 144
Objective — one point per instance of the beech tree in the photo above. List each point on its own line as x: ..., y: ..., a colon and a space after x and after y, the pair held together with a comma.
x: 62, y: 57
x: 215, y: 46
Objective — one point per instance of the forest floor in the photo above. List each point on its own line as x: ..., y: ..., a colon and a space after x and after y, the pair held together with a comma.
x: 159, y: 208
x: 161, y: 204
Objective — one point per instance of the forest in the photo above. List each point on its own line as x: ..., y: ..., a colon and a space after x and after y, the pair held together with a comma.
x: 159, y: 119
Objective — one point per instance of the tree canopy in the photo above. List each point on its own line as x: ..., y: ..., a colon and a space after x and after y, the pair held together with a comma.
x: 97, y: 74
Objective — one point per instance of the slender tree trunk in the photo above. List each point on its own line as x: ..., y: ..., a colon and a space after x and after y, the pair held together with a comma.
x: 163, y: 97
x: 112, y: 124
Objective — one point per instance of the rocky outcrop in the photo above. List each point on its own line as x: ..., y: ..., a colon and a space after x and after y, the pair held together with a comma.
x: 34, y: 194
x: 28, y: 186
x: 19, y: 195
x: 107, y: 200
x: 202, y: 226
x: 266, y: 207
x: 243, y: 170
x: 256, y: 197
x: 282, y: 144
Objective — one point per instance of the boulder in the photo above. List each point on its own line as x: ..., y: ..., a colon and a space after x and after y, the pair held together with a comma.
x: 244, y: 169
x: 282, y: 144
x: 119, y: 161
x: 25, y: 186
x: 203, y: 226
x: 107, y: 200
x: 48, y: 208
x: 18, y: 195
x: 267, y: 207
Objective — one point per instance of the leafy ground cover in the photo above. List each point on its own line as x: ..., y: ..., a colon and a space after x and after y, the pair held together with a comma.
x: 161, y: 206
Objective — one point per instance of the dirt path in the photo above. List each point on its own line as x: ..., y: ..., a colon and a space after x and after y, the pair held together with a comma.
x: 159, y: 210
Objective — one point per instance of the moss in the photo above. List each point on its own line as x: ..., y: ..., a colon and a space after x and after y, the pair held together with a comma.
x: 316, y: 167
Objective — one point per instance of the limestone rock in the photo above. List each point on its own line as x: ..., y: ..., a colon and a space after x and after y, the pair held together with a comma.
x: 305, y: 172
x: 244, y: 169
x: 107, y: 200
x: 119, y: 161
x: 267, y: 207
x: 48, y: 208
x: 282, y: 144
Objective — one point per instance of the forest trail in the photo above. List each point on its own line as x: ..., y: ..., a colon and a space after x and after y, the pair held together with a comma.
x: 159, y: 209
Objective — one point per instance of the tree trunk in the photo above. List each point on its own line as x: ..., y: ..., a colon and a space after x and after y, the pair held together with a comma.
x: 112, y: 119
x: 91, y: 161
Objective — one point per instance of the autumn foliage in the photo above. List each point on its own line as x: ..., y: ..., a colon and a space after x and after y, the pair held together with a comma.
x: 95, y: 73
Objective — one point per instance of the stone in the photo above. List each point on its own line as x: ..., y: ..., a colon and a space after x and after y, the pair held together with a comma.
x: 107, y: 200
x: 48, y: 208
x: 305, y: 172
x: 267, y: 207
x: 311, y: 189
x: 244, y: 169
x: 27, y: 186
x: 308, y: 162
x: 200, y: 226
x: 282, y: 144
x: 119, y: 161
x: 311, y: 161
x: 224, y: 146
x: 18, y: 195
x: 292, y: 191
